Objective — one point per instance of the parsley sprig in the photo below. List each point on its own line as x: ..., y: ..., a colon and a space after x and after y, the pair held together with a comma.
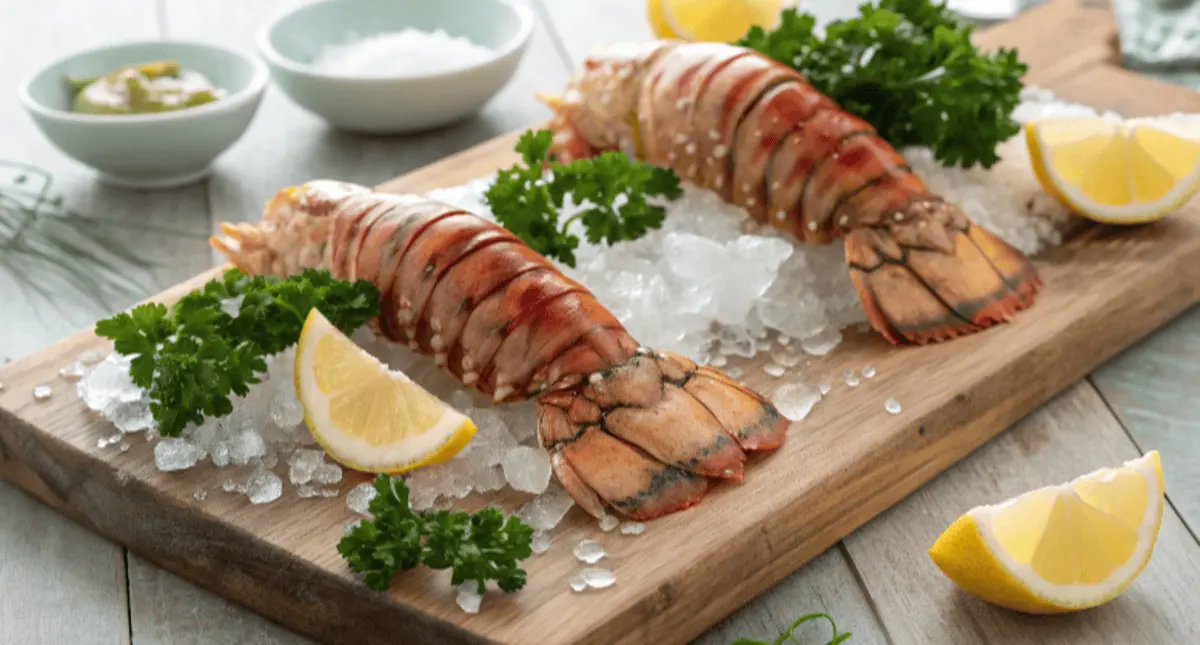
x: 193, y: 356
x: 838, y: 637
x: 907, y: 67
x: 481, y: 546
x: 613, y: 188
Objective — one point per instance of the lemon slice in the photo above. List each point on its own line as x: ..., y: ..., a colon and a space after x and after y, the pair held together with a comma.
x: 366, y: 417
x: 1115, y: 172
x: 1059, y: 548
x: 722, y: 21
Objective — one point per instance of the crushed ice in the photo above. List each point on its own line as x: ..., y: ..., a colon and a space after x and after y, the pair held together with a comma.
x: 682, y: 272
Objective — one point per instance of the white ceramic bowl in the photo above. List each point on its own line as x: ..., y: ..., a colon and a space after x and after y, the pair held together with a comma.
x: 395, y: 104
x: 148, y: 151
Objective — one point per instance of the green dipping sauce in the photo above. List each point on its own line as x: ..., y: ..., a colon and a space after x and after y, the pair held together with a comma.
x: 142, y: 89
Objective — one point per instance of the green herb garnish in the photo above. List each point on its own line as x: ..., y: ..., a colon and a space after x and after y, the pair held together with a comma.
x: 787, y: 635
x: 192, y: 356
x: 908, y: 68
x: 527, y: 203
x: 481, y: 546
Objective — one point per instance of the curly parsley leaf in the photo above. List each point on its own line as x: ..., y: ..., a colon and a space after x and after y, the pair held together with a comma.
x: 194, y: 356
x: 907, y: 67
x: 481, y: 546
x: 613, y: 191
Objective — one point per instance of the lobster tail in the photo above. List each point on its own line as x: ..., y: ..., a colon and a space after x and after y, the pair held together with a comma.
x: 930, y: 274
x: 626, y: 428
x: 662, y: 418
x: 755, y: 132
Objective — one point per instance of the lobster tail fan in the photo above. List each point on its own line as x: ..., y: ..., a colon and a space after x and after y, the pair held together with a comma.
x: 933, y: 275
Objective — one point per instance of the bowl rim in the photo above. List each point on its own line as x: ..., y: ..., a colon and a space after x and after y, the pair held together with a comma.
x: 515, y: 44
x: 254, y: 89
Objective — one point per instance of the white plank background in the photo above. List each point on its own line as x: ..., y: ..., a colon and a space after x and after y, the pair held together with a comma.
x: 60, y: 583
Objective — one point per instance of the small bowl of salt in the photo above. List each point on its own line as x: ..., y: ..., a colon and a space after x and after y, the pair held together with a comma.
x: 396, y: 67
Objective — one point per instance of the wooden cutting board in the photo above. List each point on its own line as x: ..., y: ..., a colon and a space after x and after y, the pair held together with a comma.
x: 843, y: 465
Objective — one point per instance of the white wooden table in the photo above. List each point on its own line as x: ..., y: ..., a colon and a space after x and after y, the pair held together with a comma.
x: 60, y: 583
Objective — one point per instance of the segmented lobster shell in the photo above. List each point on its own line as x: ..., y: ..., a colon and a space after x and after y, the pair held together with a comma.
x: 496, y: 314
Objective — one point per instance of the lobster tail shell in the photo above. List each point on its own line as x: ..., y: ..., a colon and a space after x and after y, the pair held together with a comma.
x: 934, y: 275
x: 667, y: 421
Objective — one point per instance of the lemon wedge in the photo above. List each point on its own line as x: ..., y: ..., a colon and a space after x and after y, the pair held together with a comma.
x: 1115, y: 172
x: 722, y: 21
x: 1060, y: 548
x: 366, y: 417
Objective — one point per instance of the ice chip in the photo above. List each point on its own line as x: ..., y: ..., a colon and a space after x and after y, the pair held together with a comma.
x: 545, y: 511
x: 231, y: 306
x: 327, y: 474
x: 264, y: 487
x: 527, y: 469
x: 246, y: 445
x: 131, y: 416
x: 469, y: 599
x: 302, y: 464
x: 598, y: 578
x: 108, y: 383
x: 786, y: 355
x: 173, y: 453
x: 632, y: 528
x: 795, y: 400
x: 359, y: 498
x: 73, y: 371
x: 822, y: 342
x: 220, y: 455
x: 608, y: 523
x: 286, y: 411
x: 540, y: 542
x: 588, y: 551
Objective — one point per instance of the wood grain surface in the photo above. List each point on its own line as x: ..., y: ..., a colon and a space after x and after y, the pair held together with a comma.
x: 959, y: 397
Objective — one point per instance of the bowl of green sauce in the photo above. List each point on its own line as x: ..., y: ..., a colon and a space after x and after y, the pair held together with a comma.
x: 147, y: 115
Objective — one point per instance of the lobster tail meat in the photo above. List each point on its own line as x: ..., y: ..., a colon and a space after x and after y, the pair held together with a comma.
x: 754, y: 131
x: 627, y: 428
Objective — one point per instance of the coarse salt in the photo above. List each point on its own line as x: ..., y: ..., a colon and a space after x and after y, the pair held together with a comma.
x: 407, y: 52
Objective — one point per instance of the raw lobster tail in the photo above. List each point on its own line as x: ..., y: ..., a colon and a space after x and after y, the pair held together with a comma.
x: 628, y: 428
x: 755, y: 132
